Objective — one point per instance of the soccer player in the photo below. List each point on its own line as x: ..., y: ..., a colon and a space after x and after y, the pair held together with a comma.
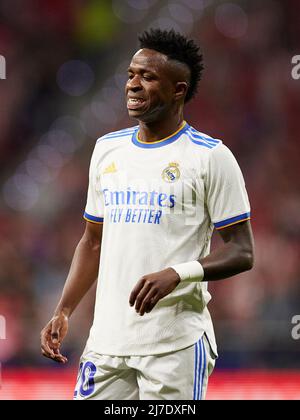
x: 156, y: 192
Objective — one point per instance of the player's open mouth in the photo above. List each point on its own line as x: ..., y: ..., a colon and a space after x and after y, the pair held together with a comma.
x: 135, y: 103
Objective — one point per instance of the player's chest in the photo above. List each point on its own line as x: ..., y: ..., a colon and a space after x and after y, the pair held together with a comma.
x: 165, y: 173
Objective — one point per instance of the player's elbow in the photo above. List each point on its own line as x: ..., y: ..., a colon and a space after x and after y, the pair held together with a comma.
x: 247, y: 259
x: 245, y: 253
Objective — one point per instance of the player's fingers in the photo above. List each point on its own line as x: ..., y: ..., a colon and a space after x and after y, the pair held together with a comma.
x: 46, y: 351
x: 46, y: 354
x: 56, y: 356
x: 147, y: 301
x: 153, y: 301
x: 138, y: 287
x: 46, y: 342
x: 60, y: 358
x: 55, y: 332
x: 142, y: 295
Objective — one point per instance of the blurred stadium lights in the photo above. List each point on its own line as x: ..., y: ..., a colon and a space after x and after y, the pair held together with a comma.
x: 165, y: 23
x: 45, y: 160
x: 61, y: 141
x: 123, y: 11
x: 68, y: 125
x: 89, y: 122
x: 75, y: 77
x: 141, y: 4
x: 180, y: 13
x: 20, y: 192
x: 174, y: 16
x: 50, y: 156
x: 104, y: 112
x: 111, y: 95
x: 107, y: 107
x: 231, y: 20
x: 196, y: 4
x: 38, y: 171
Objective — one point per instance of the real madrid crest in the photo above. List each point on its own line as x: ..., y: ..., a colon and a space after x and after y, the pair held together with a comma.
x: 171, y: 173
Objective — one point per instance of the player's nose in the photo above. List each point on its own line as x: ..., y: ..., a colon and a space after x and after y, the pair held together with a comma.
x: 133, y: 85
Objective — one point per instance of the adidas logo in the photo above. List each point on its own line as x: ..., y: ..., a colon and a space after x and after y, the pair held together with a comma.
x: 110, y: 169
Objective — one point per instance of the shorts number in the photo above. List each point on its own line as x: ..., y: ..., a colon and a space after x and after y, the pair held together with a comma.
x: 87, y: 372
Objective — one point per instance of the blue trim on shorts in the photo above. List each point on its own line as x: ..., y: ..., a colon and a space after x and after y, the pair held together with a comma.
x: 199, y: 369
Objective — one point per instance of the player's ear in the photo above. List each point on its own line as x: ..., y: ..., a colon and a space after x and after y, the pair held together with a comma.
x: 180, y: 90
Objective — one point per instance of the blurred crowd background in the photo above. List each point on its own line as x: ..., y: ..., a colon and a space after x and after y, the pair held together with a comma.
x: 65, y: 72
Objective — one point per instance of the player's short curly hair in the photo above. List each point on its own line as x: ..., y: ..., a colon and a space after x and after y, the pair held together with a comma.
x: 177, y: 47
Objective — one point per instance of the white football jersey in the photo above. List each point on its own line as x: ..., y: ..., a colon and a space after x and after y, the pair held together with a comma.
x: 159, y: 203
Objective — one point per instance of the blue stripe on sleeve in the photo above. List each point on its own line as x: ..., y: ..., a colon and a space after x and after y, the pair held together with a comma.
x: 91, y: 218
x: 232, y: 220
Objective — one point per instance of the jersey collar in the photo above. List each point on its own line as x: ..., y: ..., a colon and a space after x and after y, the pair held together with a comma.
x: 159, y: 143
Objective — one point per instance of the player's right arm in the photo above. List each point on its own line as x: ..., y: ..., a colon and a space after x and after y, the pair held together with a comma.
x: 83, y: 273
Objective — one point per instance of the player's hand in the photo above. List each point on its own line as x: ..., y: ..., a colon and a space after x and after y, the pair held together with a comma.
x: 151, y: 288
x: 52, y: 336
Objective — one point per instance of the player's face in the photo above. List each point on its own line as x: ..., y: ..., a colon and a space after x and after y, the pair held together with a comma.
x: 150, y: 88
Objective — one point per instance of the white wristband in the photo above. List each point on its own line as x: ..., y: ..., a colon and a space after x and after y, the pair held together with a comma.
x: 190, y: 271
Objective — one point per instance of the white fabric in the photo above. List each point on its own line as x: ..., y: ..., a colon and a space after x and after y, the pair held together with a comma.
x: 159, y: 205
x: 180, y: 375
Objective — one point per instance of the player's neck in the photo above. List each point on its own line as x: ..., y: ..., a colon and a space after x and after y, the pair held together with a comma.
x: 157, y: 130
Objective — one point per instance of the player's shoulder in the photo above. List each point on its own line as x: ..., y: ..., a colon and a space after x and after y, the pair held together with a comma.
x: 117, y: 135
x: 202, y: 140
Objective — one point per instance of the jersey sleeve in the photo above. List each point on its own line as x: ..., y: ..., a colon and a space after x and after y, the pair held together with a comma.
x: 94, y: 210
x: 226, y: 195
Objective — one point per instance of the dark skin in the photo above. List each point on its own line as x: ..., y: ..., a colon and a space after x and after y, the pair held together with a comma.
x: 162, y: 85
x: 157, y: 88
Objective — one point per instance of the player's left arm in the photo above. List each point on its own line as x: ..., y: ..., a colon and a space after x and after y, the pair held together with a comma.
x: 233, y: 257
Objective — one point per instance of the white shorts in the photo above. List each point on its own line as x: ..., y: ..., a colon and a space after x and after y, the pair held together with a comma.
x: 180, y: 375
